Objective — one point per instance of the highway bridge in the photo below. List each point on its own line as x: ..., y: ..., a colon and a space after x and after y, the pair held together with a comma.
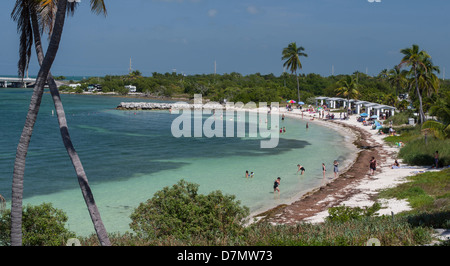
x: 16, y: 82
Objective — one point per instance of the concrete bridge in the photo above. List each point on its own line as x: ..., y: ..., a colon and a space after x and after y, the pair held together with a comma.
x: 14, y: 82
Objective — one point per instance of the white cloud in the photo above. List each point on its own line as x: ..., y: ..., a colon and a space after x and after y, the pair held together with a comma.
x: 212, y: 12
x: 252, y: 10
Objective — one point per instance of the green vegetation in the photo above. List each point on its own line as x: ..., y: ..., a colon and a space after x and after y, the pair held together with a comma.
x: 181, y: 212
x: 345, y: 213
x: 42, y: 225
x: 429, y: 196
x: 179, y: 216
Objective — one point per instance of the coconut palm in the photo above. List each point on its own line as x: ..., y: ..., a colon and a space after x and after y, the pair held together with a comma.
x: 428, y: 81
x: 292, y: 55
x: 348, y: 87
x: 397, y: 78
x: 415, y: 58
x: 50, y: 15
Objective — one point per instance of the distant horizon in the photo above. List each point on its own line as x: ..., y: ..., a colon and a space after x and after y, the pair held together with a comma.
x: 221, y: 74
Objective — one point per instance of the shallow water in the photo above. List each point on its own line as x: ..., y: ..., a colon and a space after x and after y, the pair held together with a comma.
x: 129, y: 155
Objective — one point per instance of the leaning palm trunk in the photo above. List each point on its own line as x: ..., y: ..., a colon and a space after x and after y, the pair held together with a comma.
x: 22, y: 148
x: 81, y: 175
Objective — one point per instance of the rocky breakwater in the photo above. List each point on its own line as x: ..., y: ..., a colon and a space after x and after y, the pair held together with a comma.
x: 166, y: 106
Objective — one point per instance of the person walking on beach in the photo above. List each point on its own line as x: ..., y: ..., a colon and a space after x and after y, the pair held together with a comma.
x: 436, y: 158
x: 373, y: 166
x: 300, y: 168
x: 336, y: 170
x: 276, y: 184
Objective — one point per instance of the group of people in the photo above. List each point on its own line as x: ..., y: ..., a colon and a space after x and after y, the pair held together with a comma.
x: 335, y: 168
x: 302, y: 169
x: 247, y: 175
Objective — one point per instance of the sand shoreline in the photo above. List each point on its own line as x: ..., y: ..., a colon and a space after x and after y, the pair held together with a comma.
x: 354, y: 187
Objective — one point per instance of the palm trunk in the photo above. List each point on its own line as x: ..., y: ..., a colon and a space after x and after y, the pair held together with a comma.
x: 298, y: 88
x: 421, y: 113
x: 22, y: 148
x: 81, y: 175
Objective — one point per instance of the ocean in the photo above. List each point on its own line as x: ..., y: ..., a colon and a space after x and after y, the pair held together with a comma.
x: 129, y: 155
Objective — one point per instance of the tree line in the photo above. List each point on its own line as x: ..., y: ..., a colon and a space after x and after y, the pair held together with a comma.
x: 385, y: 88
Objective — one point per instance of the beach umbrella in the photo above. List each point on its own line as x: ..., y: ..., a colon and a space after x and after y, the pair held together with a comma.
x: 374, y: 116
x: 301, y: 103
x: 364, y: 114
x: 291, y: 101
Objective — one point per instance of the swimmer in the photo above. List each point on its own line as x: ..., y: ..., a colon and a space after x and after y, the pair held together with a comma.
x: 251, y: 174
x: 300, y: 168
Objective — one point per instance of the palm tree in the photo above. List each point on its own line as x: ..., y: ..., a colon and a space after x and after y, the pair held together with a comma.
x: 292, y: 56
x: 348, y: 87
x: 26, y: 12
x: 397, y: 78
x: 427, y: 79
x: 415, y: 58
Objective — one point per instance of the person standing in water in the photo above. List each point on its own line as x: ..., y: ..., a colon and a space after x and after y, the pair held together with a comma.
x: 336, y: 170
x: 324, y: 170
x: 276, y: 184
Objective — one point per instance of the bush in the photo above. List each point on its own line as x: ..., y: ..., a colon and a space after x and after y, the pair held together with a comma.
x: 42, y: 225
x: 345, y: 213
x: 181, y: 212
x: 416, y: 152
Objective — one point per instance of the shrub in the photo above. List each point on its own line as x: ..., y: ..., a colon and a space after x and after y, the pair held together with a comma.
x: 181, y: 212
x: 42, y: 225
x: 344, y: 213
x: 416, y: 152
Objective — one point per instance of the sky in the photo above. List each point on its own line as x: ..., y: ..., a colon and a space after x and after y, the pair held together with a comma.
x: 245, y: 36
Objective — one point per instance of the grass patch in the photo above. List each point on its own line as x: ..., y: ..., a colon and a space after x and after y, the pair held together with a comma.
x: 429, y: 196
x: 354, y: 232
x: 417, y: 152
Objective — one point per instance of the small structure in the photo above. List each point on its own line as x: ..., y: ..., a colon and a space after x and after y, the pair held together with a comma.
x: 358, y: 105
x: 321, y: 99
x: 94, y: 87
x: 131, y: 88
x: 74, y: 86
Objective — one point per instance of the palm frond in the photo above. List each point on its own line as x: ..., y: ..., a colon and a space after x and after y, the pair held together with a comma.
x: 98, y: 7
x: 21, y: 15
x: 437, y: 128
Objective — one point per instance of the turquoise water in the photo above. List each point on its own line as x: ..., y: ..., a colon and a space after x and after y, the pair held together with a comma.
x: 129, y: 155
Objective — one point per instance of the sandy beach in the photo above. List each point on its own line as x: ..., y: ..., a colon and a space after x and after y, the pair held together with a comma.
x: 354, y: 187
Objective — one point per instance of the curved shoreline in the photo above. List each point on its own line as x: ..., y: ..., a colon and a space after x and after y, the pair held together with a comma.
x: 351, y: 136
x: 353, y: 187
x: 355, y: 140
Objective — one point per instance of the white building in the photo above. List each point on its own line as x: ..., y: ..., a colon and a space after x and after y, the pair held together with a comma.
x: 74, y: 86
x: 131, y: 88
